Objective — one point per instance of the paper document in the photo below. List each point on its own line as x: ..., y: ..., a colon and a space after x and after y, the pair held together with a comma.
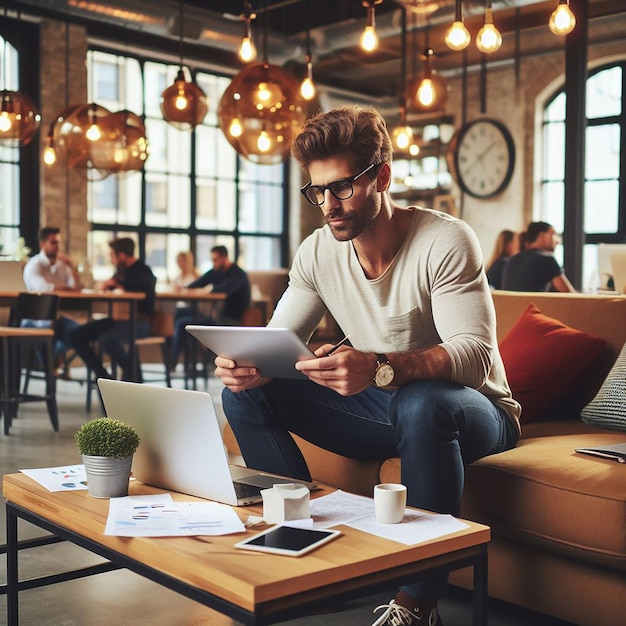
x: 66, y: 478
x: 340, y: 507
x: 159, y: 516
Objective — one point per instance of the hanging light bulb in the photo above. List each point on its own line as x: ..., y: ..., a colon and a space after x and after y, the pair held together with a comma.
x: 264, y: 143
x: 489, y: 38
x: 307, y: 88
x: 430, y: 91
x: 247, y: 49
x: 402, y: 136
x: 49, y: 153
x: 93, y: 131
x: 457, y: 36
x: 369, y: 38
x: 562, y: 21
x: 414, y: 149
x: 183, y: 104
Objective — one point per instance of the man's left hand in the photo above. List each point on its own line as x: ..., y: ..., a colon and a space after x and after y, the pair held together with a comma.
x: 347, y: 371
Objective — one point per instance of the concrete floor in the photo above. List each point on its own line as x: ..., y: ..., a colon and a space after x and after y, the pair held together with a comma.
x: 124, y: 598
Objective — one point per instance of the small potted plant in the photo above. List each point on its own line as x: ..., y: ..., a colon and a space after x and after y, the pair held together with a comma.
x: 107, y: 446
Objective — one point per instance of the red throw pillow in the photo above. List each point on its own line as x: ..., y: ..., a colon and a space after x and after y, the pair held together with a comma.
x: 545, y: 359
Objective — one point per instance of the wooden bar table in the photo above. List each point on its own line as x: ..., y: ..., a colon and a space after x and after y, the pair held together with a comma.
x: 84, y: 301
x: 250, y: 587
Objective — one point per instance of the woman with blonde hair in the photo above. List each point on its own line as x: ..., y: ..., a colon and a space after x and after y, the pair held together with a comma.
x: 507, y: 244
x: 188, y: 270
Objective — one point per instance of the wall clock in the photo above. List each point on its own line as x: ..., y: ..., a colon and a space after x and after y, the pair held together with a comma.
x: 483, y: 156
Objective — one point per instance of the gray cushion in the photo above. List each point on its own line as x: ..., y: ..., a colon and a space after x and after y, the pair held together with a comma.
x: 608, y: 408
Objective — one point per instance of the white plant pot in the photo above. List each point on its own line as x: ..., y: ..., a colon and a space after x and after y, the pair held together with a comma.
x: 107, y: 477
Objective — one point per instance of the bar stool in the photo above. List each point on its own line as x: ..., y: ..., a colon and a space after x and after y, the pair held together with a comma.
x: 17, y: 343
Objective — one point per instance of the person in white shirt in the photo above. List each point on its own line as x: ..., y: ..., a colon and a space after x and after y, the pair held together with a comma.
x: 51, y: 270
x: 422, y: 379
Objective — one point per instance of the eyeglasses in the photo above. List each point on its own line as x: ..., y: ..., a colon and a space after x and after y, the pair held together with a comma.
x: 342, y: 189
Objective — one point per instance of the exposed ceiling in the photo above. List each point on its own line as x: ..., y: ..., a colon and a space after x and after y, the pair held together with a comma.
x: 212, y: 30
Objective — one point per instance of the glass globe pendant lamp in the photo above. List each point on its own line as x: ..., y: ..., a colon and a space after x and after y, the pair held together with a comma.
x: 19, y: 119
x: 261, y: 112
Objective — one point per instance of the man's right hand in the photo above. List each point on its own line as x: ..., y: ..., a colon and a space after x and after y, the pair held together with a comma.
x: 238, y: 378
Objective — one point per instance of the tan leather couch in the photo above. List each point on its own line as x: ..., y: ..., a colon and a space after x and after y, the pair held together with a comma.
x: 558, y: 518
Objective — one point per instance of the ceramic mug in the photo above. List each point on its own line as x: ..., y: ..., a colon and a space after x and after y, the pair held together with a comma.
x: 389, y: 502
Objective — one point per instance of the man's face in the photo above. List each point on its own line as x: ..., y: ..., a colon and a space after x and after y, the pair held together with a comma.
x: 218, y: 261
x: 51, y: 246
x: 550, y: 240
x: 347, y: 219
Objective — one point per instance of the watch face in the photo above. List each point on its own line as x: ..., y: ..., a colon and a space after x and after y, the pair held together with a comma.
x: 384, y: 375
x: 484, y: 158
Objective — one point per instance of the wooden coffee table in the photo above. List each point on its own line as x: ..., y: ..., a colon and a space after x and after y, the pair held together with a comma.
x: 250, y: 587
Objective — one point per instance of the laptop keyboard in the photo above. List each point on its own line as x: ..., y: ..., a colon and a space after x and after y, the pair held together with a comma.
x: 242, y: 490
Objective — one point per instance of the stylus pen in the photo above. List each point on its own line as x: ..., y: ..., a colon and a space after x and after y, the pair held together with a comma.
x: 337, y: 345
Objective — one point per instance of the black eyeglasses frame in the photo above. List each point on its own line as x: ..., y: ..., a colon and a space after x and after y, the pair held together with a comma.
x: 322, y: 188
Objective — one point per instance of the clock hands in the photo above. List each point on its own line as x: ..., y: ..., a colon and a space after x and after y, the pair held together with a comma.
x: 479, y: 158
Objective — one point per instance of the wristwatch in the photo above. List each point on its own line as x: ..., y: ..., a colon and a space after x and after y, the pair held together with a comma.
x: 383, y: 376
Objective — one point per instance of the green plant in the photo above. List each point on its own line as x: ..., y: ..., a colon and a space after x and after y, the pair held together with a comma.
x: 105, y: 436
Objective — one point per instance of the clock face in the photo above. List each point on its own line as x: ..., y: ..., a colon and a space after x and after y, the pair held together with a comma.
x: 484, y: 158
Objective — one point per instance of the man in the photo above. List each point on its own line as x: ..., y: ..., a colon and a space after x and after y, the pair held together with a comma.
x: 132, y: 274
x: 51, y: 270
x: 535, y: 268
x: 225, y: 277
x: 423, y: 378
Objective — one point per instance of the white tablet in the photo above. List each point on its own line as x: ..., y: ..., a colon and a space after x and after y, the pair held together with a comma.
x: 288, y: 540
x: 274, y: 351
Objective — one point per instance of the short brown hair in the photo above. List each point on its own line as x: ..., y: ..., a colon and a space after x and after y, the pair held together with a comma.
x: 351, y: 130
x: 124, y: 245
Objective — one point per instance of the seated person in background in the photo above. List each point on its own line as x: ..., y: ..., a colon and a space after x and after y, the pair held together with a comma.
x: 225, y: 277
x: 535, y: 268
x: 131, y: 274
x: 188, y: 273
x: 423, y: 378
x: 507, y: 244
x: 51, y: 270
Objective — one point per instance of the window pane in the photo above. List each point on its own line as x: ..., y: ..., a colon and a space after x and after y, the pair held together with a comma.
x: 554, y: 151
x: 602, y: 152
x: 168, y: 201
x: 601, y: 206
x: 553, y: 205
x: 555, y: 111
x: 261, y: 208
x: 99, y: 254
x: 604, y: 93
x: 156, y: 254
x: 261, y: 253
x: 216, y: 204
x: 155, y: 82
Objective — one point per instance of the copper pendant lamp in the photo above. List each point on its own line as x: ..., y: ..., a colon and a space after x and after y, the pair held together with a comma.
x: 262, y: 110
x: 19, y: 119
x: 183, y: 104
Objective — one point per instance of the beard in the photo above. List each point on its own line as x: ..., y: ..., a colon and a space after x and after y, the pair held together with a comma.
x: 353, y: 222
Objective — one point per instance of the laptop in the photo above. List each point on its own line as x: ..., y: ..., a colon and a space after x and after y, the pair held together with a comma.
x: 618, y: 265
x: 181, y: 447
x: 12, y: 276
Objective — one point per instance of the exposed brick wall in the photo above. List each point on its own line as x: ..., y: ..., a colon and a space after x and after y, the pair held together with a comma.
x: 63, y: 193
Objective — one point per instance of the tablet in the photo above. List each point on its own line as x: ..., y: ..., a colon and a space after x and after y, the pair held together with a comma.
x: 288, y: 540
x: 273, y: 351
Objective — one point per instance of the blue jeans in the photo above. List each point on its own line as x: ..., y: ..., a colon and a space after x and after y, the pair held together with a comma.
x: 63, y: 326
x: 436, y: 427
x: 111, y: 335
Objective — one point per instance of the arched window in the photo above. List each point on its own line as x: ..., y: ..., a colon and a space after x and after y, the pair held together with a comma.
x: 605, y: 168
x: 9, y: 161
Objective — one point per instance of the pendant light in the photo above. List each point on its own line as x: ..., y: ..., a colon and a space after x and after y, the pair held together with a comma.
x: 562, y: 21
x: 457, y: 36
x: 183, y: 104
x: 262, y: 110
x: 19, y: 119
x: 307, y: 87
x: 369, y: 37
x: 489, y: 38
x: 430, y: 91
x: 247, y: 49
x: 402, y: 134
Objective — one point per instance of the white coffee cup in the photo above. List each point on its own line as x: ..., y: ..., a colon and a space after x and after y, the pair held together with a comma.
x: 389, y: 502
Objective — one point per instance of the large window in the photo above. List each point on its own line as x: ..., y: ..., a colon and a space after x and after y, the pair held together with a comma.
x: 605, y: 167
x: 195, y: 192
x: 9, y: 162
